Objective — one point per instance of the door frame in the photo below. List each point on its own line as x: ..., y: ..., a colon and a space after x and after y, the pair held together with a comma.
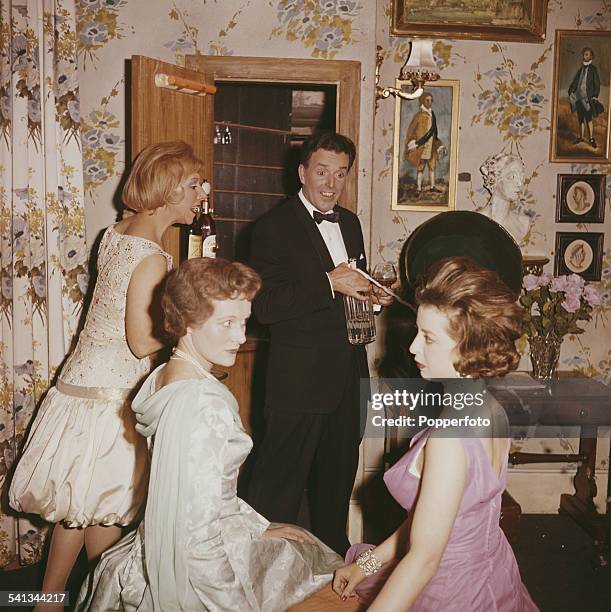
x: 344, y: 74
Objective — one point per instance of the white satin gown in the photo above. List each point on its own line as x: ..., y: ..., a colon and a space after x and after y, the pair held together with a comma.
x: 200, y: 546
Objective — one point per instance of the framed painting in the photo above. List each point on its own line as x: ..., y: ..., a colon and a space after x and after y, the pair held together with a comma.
x: 579, y: 253
x: 580, y: 198
x: 426, y: 148
x: 581, y: 97
x: 512, y: 20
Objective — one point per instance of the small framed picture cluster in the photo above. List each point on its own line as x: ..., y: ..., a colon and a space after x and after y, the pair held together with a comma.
x: 580, y: 198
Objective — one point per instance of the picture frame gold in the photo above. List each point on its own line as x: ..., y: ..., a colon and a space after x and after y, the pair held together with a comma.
x: 568, y: 113
x: 514, y: 20
x: 435, y: 156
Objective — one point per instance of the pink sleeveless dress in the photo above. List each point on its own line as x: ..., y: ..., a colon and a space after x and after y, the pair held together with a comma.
x: 478, y: 571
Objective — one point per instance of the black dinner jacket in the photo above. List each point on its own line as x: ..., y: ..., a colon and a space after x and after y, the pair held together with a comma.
x: 310, y: 359
x: 592, y: 82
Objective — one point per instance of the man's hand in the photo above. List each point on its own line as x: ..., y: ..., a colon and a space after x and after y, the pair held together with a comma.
x: 349, y: 282
x: 381, y: 297
x: 411, y: 145
x: 442, y: 151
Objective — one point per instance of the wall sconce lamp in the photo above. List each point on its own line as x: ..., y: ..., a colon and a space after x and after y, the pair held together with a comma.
x: 419, y: 68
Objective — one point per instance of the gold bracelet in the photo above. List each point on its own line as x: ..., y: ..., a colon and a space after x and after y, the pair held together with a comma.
x: 369, y: 563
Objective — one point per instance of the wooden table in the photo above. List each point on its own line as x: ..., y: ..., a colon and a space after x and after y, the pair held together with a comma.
x: 568, y: 401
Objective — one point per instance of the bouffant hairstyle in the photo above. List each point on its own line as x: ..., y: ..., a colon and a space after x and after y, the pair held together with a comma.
x: 484, y: 317
x: 328, y: 141
x: 188, y: 292
x: 156, y: 176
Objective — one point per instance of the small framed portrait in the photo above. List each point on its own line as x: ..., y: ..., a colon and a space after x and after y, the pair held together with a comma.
x: 579, y: 253
x: 426, y: 148
x: 580, y: 198
x: 581, y: 97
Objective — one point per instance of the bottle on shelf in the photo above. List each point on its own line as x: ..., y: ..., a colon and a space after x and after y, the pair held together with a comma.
x: 202, y: 232
x: 208, y: 225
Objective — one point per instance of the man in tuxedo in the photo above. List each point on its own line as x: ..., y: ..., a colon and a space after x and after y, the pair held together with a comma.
x: 312, y: 423
x: 583, y: 97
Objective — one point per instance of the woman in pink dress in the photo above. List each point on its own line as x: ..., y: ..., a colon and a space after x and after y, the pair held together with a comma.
x: 450, y: 554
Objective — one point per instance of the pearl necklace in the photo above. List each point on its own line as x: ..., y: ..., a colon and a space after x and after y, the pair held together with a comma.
x: 178, y: 354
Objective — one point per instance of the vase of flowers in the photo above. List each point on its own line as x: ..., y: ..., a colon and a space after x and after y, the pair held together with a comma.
x: 552, y: 308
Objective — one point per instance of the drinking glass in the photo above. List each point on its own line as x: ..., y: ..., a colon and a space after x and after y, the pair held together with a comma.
x: 360, y: 320
x: 385, y: 273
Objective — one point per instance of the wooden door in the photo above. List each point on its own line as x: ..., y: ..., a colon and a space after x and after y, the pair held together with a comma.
x: 159, y: 114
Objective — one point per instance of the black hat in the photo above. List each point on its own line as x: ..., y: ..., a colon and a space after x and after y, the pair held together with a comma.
x: 464, y: 233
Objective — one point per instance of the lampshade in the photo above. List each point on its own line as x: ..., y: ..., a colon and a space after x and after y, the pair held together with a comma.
x: 420, y: 57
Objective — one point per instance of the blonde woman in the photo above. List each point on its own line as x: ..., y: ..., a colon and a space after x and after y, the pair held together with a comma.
x: 84, y: 467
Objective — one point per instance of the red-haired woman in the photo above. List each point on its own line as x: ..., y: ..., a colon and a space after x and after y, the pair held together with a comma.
x: 201, y: 547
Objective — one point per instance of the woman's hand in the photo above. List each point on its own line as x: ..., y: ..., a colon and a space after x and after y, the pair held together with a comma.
x: 289, y: 532
x: 346, y: 579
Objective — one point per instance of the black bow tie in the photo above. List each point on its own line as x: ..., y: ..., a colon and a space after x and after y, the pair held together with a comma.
x: 332, y: 217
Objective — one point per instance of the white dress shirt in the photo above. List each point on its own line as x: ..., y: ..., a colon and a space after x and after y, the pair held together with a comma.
x: 332, y: 235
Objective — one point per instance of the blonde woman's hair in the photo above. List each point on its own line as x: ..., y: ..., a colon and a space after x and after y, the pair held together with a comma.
x: 157, y: 175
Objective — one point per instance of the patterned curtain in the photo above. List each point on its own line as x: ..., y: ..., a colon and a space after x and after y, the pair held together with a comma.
x: 43, y: 254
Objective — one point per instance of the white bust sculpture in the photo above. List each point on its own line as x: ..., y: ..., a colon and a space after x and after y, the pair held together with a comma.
x: 504, y: 178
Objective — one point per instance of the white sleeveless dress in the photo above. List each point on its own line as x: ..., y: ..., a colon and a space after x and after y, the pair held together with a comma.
x: 83, y: 463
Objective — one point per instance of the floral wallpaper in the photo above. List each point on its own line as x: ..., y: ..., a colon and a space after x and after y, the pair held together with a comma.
x: 97, y: 24
x: 324, y: 26
x: 506, y: 91
x: 505, y: 105
x: 101, y: 140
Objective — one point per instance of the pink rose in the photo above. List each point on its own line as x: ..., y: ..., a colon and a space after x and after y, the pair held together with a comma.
x: 559, y: 283
x: 571, y: 303
x: 530, y: 282
x: 576, y: 280
x: 545, y: 279
x: 592, y: 295
x: 573, y: 291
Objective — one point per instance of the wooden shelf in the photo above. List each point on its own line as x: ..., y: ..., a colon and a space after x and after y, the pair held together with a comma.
x: 236, y: 165
x: 254, y: 128
x: 263, y: 193
x: 234, y: 219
